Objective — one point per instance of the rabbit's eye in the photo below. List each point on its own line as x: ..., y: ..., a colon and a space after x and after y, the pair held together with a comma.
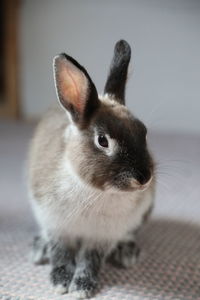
x: 102, y: 140
x: 105, y: 143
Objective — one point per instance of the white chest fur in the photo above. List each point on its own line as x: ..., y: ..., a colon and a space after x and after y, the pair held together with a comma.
x: 81, y: 211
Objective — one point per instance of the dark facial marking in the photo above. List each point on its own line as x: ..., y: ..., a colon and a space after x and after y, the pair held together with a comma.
x: 132, y: 160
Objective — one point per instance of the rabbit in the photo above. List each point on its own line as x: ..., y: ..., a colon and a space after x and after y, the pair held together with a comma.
x: 91, y: 177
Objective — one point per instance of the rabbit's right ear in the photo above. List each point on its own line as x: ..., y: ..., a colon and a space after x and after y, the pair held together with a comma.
x: 116, y: 81
x: 75, y: 89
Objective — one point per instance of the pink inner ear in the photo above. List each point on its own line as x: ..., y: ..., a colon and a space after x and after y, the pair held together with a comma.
x: 72, y: 85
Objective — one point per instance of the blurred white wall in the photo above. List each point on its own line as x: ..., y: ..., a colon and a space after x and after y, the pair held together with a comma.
x: 164, y: 83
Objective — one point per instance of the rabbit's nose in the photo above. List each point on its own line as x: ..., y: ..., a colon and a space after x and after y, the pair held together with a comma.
x: 146, y: 185
x: 137, y: 185
x: 144, y: 177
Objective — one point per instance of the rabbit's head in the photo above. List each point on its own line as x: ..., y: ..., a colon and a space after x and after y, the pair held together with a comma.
x: 106, y: 145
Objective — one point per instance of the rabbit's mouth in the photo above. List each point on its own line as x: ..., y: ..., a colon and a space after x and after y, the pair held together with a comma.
x: 126, y: 182
x: 131, y: 185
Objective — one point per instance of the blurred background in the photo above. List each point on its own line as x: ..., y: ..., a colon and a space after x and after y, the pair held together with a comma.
x: 163, y: 87
x: 163, y: 90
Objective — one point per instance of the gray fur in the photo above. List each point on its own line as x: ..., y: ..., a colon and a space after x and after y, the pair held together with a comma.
x: 63, y: 264
x: 40, y: 251
x: 85, y: 279
x: 124, y: 255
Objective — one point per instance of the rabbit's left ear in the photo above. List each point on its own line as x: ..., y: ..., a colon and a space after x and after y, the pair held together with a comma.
x: 75, y: 89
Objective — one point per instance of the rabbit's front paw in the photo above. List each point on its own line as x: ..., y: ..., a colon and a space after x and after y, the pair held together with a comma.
x: 39, y: 252
x: 61, y: 279
x: 124, y: 255
x: 85, y: 279
x: 83, y: 287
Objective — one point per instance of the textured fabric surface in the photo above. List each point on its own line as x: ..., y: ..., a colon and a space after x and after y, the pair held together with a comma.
x: 169, y: 266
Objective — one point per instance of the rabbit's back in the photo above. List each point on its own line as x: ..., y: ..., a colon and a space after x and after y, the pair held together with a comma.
x: 46, y: 148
